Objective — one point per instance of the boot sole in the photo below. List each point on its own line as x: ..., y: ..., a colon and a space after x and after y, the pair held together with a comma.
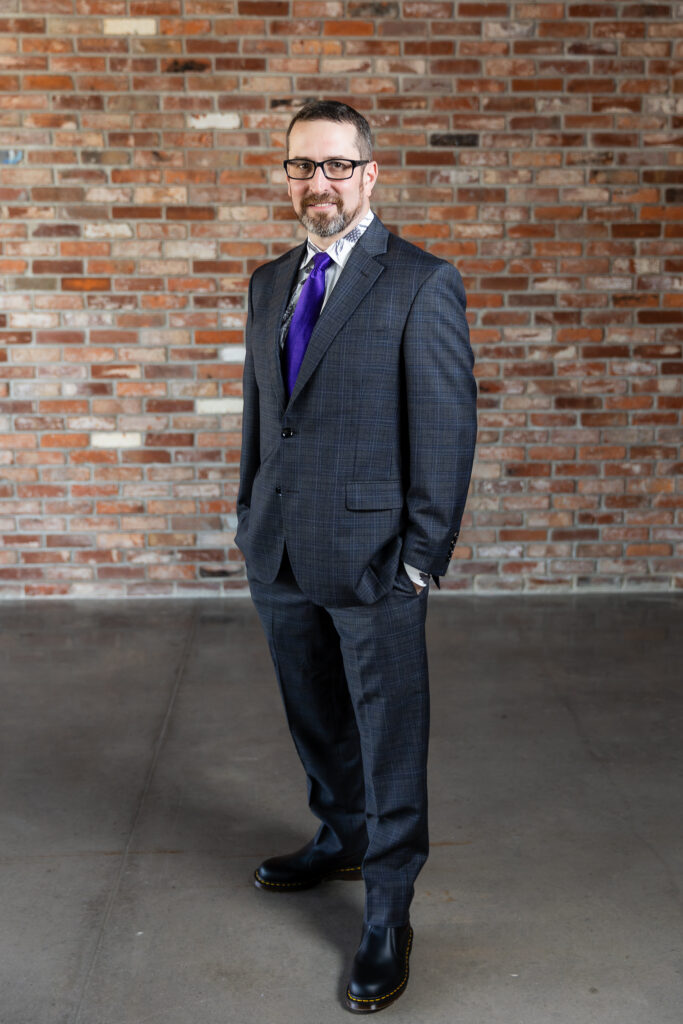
x: 351, y: 874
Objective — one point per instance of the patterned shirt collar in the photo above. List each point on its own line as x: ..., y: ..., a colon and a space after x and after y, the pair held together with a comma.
x: 341, y: 249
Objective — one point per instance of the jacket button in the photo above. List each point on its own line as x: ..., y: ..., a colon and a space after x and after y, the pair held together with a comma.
x: 278, y: 490
x: 287, y: 432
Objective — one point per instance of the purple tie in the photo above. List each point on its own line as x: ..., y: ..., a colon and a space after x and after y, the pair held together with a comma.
x: 304, y: 317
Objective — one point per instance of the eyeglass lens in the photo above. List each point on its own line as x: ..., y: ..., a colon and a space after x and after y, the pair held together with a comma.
x: 331, y: 168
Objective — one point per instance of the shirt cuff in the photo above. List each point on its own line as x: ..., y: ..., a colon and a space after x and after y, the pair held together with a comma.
x: 418, y: 577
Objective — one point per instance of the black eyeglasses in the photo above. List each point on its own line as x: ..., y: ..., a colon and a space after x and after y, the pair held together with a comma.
x: 334, y: 170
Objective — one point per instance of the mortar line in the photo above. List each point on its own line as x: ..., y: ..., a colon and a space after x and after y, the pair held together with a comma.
x: 156, y: 752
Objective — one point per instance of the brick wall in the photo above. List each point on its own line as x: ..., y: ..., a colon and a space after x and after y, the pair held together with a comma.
x: 536, y: 145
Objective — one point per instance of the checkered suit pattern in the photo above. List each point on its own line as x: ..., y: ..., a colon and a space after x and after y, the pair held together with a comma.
x: 355, y: 689
x: 369, y: 462
x: 365, y: 467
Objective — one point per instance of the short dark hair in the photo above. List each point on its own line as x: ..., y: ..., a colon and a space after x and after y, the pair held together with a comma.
x: 331, y: 110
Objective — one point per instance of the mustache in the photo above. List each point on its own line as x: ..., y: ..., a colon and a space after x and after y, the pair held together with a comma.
x: 313, y: 198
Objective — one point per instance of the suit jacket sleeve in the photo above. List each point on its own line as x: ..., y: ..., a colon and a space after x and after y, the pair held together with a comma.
x: 441, y: 398
x: 250, y: 457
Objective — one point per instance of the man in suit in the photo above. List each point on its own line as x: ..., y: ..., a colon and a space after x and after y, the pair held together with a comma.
x: 358, y: 440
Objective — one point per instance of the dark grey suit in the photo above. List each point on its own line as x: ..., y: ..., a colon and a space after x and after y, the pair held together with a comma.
x: 366, y: 467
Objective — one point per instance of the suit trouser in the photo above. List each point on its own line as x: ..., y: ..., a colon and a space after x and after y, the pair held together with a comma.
x: 355, y: 688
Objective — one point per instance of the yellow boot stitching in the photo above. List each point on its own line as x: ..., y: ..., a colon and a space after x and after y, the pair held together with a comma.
x: 378, y: 999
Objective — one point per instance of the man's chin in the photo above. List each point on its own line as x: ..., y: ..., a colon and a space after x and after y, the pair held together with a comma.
x: 323, y: 225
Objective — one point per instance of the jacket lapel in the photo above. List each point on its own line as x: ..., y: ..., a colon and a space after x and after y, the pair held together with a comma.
x: 356, y: 280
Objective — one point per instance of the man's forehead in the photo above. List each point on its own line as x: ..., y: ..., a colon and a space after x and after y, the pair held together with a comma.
x: 335, y: 137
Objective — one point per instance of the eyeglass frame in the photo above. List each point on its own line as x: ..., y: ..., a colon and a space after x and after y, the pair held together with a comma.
x: 321, y: 164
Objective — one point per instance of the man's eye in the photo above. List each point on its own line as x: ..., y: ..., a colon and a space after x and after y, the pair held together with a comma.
x: 303, y: 165
x: 338, y: 165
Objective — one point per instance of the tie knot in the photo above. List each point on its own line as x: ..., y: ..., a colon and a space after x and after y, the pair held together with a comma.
x: 321, y: 261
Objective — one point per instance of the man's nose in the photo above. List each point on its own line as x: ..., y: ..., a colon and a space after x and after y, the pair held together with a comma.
x: 319, y: 181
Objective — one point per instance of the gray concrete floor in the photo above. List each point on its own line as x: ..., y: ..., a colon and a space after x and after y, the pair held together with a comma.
x: 146, y: 769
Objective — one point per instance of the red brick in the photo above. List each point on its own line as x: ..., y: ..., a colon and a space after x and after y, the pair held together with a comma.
x: 263, y: 8
x: 348, y: 27
x: 562, y: 216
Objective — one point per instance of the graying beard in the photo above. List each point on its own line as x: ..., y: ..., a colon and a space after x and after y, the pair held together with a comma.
x: 322, y: 227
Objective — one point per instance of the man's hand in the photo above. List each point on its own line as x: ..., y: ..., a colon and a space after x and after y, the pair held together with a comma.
x: 418, y: 588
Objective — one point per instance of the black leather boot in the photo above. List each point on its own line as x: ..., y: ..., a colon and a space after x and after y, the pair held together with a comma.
x: 379, y: 973
x: 305, y: 868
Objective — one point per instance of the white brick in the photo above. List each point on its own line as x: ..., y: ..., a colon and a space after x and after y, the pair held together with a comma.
x: 99, y: 590
x: 34, y: 389
x: 143, y: 355
x: 215, y: 120
x: 17, y: 301
x: 115, y: 439
x: 198, y: 490
x: 91, y: 318
x: 101, y: 423
x: 232, y: 353
x: 621, y: 284
x: 29, y: 319
x: 130, y: 27
x: 108, y: 231
x: 198, y: 249
x: 108, y: 195
x: 165, y: 336
x: 36, y: 355
x: 213, y: 540
x: 219, y: 405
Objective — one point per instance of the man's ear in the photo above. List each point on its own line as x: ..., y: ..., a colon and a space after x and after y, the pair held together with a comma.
x: 370, y: 177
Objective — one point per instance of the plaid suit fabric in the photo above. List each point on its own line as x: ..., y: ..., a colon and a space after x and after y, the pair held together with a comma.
x: 355, y: 688
x: 369, y: 462
x: 365, y: 467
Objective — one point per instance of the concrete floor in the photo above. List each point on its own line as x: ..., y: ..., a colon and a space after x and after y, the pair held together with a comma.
x: 146, y: 769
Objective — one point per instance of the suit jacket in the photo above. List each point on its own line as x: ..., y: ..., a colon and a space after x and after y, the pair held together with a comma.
x: 369, y: 461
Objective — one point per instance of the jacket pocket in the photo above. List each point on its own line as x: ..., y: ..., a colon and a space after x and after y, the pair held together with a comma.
x: 368, y: 495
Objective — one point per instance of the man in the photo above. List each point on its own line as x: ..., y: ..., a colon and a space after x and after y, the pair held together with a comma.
x: 358, y: 440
